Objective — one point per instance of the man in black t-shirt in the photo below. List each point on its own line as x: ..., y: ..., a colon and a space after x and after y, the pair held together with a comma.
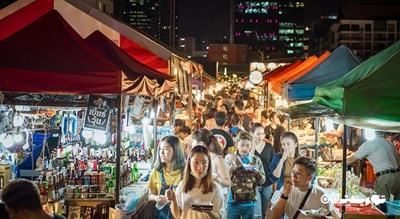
x: 224, y: 138
x: 239, y: 106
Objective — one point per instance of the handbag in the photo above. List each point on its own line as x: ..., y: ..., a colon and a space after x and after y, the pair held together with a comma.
x: 146, y: 210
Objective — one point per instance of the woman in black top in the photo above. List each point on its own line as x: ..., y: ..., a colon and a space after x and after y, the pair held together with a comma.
x: 265, y: 152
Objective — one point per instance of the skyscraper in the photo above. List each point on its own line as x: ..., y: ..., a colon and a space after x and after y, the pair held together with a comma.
x: 155, y: 17
x: 274, y: 29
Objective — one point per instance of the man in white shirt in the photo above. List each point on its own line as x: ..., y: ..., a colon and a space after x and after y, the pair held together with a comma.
x: 293, y: 194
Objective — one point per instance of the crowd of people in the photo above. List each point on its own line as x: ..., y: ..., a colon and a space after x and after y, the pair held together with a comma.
x: 233, y: 161
x: 237, y: 156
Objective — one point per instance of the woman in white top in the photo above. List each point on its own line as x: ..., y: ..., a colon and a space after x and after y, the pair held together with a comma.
x: 220, y: 173
x: 197, y: 188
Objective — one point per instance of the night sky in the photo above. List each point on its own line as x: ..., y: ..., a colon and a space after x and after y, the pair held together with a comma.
x: 210, y: 18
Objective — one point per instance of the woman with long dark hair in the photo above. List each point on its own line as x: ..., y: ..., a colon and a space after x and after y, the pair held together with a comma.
x: 166, y: 173
x: 265, y: 152
x: 197, y: 188
x: 283, y: 162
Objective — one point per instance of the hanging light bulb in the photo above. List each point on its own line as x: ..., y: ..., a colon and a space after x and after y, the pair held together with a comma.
x: 87, y: 134
x: 18, y: 137
x: 100, y: 137
x: 18, y: 120
x: 8, y: 141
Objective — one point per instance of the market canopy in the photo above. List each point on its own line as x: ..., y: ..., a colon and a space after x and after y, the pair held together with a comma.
x: 138, y: 78
x: 138, y: 44
x: 48, y: 56
x: 11, y: 22
x: 278, y: 81
x: 339, y: 63
x: 85, y: 20
x: 367, y: 96
x: 281, y: 70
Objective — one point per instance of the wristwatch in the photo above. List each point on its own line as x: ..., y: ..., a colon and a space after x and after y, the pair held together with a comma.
x: 284, y: 197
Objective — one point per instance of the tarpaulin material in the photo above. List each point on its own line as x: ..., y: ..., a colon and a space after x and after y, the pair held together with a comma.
x: 377, y: 95
x: 339, y: 63
x: 141, y: 46
x: 133, y: 69
x: 146, y: 50
x: 48, y: 56
x: 281, y: 70
x: 310, y: 67
x: 13, y: 19
x: 277, y: 82
x: 143, y: 55
x: 369, y: 94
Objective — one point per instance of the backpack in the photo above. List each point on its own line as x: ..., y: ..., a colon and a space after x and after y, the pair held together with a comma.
x: 244, y: 185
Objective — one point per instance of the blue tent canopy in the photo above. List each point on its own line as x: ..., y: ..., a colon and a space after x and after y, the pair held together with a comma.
x: 339, y: 63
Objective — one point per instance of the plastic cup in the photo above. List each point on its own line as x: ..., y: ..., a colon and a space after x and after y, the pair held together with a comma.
x: 161, y: 206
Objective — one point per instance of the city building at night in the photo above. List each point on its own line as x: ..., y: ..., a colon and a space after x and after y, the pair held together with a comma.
x: 157, y: 18
x: 187, y: 45
x: 106, y: 6
x: 365, y: 37
x: 273, y: 29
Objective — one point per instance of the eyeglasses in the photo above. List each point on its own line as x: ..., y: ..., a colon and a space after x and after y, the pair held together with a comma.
x: 296, y: 174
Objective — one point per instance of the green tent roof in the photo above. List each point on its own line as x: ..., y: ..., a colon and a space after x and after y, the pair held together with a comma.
x: 369, y: 93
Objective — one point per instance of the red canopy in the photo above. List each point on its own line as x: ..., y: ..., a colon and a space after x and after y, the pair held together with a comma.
x: 48, y: 56
x: 18, y: 18
x: 143, y: 55
x: 139, y: 79
x: 23, y: 17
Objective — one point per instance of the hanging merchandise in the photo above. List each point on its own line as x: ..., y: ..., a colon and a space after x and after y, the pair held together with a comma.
x: 69, y: 124
x: 137, y: 106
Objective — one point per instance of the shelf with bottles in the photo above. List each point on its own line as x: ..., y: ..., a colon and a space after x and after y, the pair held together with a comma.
x: 51, y: 185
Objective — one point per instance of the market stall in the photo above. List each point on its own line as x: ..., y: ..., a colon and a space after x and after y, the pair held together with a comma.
x: 339, y: 63
x: 51, y: 62
x: 365, y: 97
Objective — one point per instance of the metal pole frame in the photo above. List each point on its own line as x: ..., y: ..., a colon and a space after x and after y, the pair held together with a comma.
x: 118, y: 149
x: 344, y: 168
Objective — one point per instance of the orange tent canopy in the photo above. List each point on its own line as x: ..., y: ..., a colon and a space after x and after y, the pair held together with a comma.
x: 282, y: 70
x: 277, y: 82
x: 309, y: 68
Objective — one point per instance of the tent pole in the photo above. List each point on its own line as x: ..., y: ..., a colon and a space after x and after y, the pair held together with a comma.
x: 317, y: 120
x: 344, y: 167
x: 155, y: 137
x: 118, y: 150
x: 201, y: 82
x: 190, y: 102
x: 267, y: 97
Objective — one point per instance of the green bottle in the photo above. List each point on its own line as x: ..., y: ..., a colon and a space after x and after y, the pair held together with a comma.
x: 110, y: 186
x: 135, y: 173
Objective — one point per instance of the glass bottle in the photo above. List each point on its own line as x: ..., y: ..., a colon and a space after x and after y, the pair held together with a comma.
x: 135, y: 173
